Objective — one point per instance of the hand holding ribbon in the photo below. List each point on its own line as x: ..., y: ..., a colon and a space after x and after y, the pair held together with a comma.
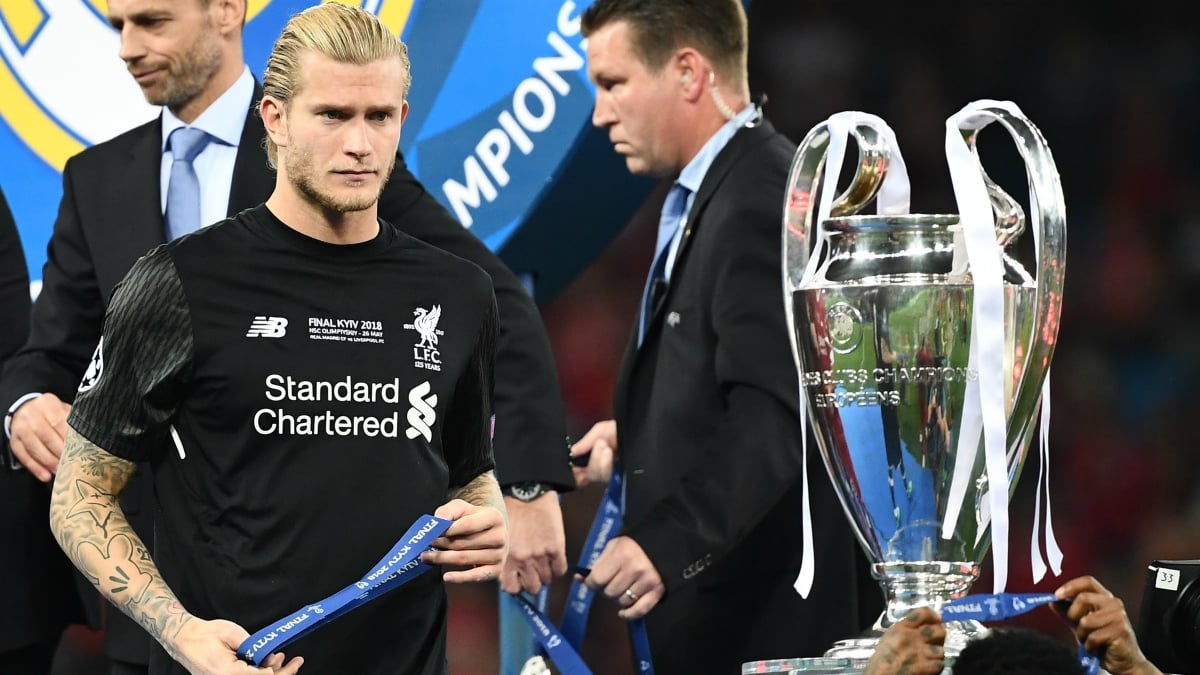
x: 562, y: 646
x: 477, y: 539
x: 401, y: 564
x: 1098, y: 619
x: 1102, y: 627
x: 1000, y: 606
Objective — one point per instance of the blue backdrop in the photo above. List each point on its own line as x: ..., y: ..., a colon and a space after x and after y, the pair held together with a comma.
x: 498, y: 131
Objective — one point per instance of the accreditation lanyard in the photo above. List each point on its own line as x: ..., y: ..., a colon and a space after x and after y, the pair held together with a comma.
x: 400, y: 565
x: 1000, y: 606
x: 562, y: 645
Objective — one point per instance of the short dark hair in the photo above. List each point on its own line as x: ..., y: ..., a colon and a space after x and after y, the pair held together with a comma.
x: 1017, y: 651
x: 715, y: 28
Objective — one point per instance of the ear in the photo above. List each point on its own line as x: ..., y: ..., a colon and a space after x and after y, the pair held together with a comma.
x: 403, y: 112
x: 230, y: 15
x: 691, y: 68
x: 274, y: 117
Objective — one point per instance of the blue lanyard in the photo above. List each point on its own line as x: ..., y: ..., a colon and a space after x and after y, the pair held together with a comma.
x: 988, y: 607
x: 562, y: 645
x: 400, y: 565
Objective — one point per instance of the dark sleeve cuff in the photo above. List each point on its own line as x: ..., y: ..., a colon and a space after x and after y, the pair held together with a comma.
x: 665, y: 543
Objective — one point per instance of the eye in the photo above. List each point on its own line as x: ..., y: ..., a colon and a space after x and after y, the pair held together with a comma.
x: 381, y: 116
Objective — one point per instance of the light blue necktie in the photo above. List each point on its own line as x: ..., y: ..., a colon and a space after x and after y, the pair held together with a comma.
x: 673, y: 210
x: 183, y: 190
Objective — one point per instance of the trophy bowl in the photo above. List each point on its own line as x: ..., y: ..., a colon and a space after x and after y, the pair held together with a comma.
x: 885, y: 321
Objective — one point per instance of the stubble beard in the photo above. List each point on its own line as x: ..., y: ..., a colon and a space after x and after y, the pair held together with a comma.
x: 305, y: 179
x: 196, y: 68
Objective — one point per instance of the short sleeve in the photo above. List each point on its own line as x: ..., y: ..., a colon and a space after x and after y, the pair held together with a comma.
x: 467, y: 440
x: 130, y: 393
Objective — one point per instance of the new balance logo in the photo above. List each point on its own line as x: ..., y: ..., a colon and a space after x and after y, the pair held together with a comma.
x: 421, y: 415
x: 267, y: 327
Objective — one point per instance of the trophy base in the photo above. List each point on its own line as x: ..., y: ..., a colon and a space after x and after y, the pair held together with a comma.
x: 958, y: 634
x: 814, y: 666
x: 818, y: 666
x: 850, y: 656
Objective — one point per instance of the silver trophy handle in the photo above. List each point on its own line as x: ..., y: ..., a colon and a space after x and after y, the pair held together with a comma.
x: 801, y: 235
x: 1047, y: 204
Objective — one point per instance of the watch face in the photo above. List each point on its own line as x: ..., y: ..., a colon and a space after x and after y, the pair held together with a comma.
x: 526, y: 492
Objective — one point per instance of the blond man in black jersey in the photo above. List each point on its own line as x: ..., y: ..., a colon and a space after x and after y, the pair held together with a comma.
x: 264, y: 368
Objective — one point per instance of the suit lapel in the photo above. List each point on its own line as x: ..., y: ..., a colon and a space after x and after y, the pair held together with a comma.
x: 253, y: 180
x: 139, y: 197
x: 740, y: 144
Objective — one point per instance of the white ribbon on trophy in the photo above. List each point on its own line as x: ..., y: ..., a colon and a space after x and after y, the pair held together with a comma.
x: 892, y: 199
x: 984, y: 410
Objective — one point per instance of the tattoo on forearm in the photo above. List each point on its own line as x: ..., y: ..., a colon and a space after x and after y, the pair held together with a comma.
x: 90, y: 526
x: 93, y: 502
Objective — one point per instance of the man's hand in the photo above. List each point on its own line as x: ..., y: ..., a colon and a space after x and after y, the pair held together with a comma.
x: 478, y: 539
x: 600, y: 444
x: 38, y: 428
x: 210, y: 648
x: 537, y: 550
x: 626, y: 575
x: 912, y: 646
x: 1102, y: 626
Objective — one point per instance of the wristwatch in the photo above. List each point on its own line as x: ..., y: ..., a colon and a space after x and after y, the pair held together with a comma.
x: 525, y: 492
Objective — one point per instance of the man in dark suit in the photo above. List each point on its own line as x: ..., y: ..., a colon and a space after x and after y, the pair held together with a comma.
x: 706, y: 412
x: 37, y: 610
x: 187, y: 56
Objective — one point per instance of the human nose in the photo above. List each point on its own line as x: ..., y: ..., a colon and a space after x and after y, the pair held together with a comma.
x: 357, y: 140
x: 602, y: 112
x: 132, y: 47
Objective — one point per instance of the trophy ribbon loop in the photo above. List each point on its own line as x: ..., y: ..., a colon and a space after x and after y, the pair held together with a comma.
x: 984, y: 410
x: 892, y: 198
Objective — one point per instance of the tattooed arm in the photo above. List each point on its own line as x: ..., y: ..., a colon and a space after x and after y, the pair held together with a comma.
x: 478, y: 539
x: 90, y: 526
x: 92, y: 529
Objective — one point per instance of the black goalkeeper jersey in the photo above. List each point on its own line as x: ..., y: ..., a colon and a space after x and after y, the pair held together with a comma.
x: 301, y: 404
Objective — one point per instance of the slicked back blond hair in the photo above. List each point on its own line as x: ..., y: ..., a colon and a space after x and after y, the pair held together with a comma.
x: 343, y: 33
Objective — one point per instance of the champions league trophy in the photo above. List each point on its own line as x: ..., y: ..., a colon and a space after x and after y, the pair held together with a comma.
x: 923, y: 350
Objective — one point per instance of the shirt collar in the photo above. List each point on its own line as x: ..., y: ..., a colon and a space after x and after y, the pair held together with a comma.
x: 224, y: 119
x: 693, y: 174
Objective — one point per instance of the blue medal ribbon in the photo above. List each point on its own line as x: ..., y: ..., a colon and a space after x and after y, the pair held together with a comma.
x: 1000, y: 606
x: 605, y: 526
x: 562, y: 645
x: 401, y: 564
x: 554, y: 644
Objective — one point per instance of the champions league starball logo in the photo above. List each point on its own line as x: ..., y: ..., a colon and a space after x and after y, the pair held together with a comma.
x: 499, y: 98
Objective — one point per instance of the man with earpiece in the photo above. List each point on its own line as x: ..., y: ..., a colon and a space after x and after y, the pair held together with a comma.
x: 706, y: 426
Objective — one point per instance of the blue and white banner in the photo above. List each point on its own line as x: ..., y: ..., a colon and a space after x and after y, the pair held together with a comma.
x: 500, y: 112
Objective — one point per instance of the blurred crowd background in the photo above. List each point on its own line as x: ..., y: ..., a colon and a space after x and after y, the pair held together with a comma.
x: 1114, y: 87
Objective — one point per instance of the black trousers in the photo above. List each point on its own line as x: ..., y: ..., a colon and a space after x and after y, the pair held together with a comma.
x: 124, y: 668
x: 32, y: 659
